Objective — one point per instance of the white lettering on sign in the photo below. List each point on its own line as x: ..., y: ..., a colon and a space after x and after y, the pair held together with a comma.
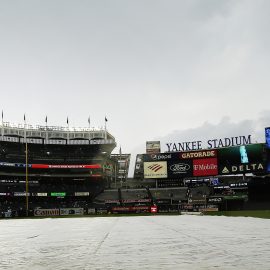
x: 211, y: 144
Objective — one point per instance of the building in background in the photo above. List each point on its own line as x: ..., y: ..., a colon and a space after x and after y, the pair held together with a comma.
x: 122, y: 162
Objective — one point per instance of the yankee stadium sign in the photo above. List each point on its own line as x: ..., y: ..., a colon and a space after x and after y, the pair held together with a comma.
x: 214, y: 143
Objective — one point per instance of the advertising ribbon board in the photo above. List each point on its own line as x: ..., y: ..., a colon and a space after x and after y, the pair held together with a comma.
x: 71, y: 211
x: 46, y: 212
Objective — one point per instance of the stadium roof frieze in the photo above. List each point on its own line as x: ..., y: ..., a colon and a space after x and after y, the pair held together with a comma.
x: 53, y: 132
x: 48, y: 128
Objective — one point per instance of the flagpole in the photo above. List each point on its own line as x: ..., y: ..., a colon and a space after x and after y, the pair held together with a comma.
x: 89, y: 134
x: 67, y: 130
x: 2, y: 123
x: 106, y: 128
x: 46, y: 134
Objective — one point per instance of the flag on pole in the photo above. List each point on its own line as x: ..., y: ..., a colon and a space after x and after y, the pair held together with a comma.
x: 120, y: 151
x: 67, y: 120
x: 24, y: 118
x: 106, y: 120
x: 46, y: 119
x: 89, y: 121
x: 2, y: 115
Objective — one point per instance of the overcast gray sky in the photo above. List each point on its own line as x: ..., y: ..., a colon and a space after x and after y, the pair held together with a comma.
x: 168, y: 70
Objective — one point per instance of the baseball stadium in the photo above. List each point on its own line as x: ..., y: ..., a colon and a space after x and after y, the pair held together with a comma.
x: 63, y: 171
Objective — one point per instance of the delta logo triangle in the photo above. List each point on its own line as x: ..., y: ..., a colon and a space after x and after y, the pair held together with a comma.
x: 225, y: 170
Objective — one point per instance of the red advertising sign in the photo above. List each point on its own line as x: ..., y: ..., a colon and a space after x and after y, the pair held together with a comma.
x: 205, y: 167
x: 62, y: 166
x: 131, y: 209
x: 153, y: 209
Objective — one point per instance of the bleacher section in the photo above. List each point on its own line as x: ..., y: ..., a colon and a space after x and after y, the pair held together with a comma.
x: 134, y: 194
x: 107, y: 195
x: 169, y: 193
x: 199, y: 192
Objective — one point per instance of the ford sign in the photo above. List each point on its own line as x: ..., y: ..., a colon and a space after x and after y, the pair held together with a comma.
x: 180, y: 167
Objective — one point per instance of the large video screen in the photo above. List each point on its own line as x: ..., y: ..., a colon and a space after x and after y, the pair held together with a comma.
x: 267, y: 137
x: 241, y: 159
x: 268, y: 160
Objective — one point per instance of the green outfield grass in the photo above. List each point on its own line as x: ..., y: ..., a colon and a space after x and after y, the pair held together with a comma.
x: 254, y: 213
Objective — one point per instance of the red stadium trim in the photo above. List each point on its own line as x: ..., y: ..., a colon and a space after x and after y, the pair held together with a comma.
x: 66, y: 166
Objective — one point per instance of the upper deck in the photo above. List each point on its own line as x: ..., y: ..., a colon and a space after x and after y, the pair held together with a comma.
x: 54, y: 134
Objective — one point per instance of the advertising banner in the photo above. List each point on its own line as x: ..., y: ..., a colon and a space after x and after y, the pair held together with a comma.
x: 180, y: 155
x: 215, y: 200
x: 197, y: 181
x: 210, y: 209
x: 126, y: 209
x: 101, y: 211
x: 58, y: 194
x: 91, y: 211
x: 197, y: 201
x: 112, y: 201
x: 180, y: 169
x: 153, y: 209
x: 236, y: 197
x: 43, y: 194
x: 241, y: 159
x: 155, y: 169
x: 48, y: 166
x: 46, y: 212
x: 152, y: 147
x: 163, y: 201
x: 137, y: 201
x: 81, y: 193
x: 198, y: 154
x: 21, y: 194
x: 160, y: 157
x: 71, y: 211
x: 205, y: 167
x: 63, y: 166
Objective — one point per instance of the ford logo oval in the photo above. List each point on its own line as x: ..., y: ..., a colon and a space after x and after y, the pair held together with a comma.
x: 180, y: 167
